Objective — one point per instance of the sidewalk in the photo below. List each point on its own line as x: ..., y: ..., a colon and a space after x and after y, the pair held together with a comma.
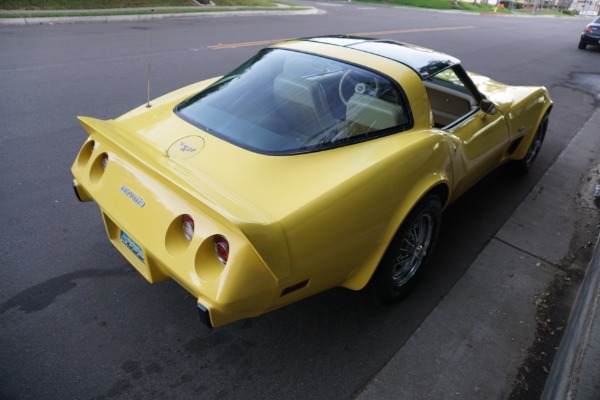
x: 474, y: 343
x: 146, y: 14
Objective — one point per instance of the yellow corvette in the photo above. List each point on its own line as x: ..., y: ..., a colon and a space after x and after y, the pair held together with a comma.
x: 320, y: 162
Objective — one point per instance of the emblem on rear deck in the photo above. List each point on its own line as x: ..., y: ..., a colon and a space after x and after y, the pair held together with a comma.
x: 185, y: 147
x: 132, y: 196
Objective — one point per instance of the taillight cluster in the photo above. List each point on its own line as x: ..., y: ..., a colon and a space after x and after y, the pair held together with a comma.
x: 100, y: 163
x: 220, y: 243
x: 221, y: 248
x: 104, y: 161
x: 188, y: 227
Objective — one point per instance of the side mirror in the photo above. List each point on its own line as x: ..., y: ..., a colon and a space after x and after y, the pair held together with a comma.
x: 488, y: 107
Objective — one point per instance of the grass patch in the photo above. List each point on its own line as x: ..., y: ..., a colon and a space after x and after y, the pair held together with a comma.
x: 435, y: 4
x: 540, y: 11
x: 89, y: 4
x: 244, y: 3
x: 136, y: 12
x: 440, y: 5
x: 482, y: 8
x: 40, y: 5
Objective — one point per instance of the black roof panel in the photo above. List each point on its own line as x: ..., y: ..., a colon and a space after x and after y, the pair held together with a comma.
x: 424, y: 61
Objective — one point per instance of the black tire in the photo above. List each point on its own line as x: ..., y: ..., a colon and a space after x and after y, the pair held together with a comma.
x: 582, y: 46
x: 409, y: 251
x: 534, y: 148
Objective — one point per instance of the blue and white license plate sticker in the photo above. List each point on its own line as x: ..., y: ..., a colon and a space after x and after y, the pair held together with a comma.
x: 132, y: 245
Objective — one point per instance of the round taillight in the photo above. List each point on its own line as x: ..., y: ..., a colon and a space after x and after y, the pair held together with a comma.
x: 104, y: 161
x: 187, y: 223
x: 221, y: 248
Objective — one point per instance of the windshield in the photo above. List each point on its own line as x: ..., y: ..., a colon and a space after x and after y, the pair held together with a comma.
x: 283, y: 102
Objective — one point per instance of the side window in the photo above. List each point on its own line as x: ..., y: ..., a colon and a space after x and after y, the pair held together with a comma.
x: 450, y: 99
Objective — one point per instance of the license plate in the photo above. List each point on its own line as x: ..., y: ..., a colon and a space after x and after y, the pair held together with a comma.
x: 132, y: 245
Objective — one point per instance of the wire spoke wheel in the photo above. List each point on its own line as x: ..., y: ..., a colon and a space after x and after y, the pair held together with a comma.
x: 408, y: 251
x: 536, y: 145
x: 413, y: 250
x: 534, y: 148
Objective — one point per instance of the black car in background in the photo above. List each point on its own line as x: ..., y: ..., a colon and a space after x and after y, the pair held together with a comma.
x: 590, y: 35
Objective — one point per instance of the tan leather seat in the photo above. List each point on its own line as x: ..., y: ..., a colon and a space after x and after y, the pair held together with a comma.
x: 303, y: 104
x: 368, y: 114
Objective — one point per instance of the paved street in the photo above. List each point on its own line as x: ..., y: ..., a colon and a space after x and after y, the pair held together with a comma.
x: 76, y: 321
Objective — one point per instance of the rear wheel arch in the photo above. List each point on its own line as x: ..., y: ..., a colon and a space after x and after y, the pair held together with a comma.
x: 409, y: 250
x: 436, y: 184
x: 442, y: 191
x: 525, y: 142
x: 523, y: 165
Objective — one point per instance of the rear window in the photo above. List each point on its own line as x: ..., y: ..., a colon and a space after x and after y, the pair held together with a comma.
x: 285, y: 102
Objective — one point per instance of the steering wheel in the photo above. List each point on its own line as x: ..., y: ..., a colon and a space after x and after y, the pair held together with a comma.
x: 357, y: 82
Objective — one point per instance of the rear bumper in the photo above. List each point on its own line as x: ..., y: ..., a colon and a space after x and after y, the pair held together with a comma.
x: 204, y: 315
x: 591, y: 40
x: 80, y: 192
x: 142, y: 211
x: 143, y: 198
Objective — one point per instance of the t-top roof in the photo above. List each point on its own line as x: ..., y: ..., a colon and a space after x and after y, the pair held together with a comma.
x: 424, y: 61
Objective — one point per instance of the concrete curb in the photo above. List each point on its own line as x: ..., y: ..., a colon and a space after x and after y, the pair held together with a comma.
x: 147, y: 17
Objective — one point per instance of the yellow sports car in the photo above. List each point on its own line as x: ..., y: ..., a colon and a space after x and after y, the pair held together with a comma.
x: 320, y: 162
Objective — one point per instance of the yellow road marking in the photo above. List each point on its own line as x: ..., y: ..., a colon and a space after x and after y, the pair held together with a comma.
x: 235, y: 45
x: 221, y: 46
x: 450, y: 28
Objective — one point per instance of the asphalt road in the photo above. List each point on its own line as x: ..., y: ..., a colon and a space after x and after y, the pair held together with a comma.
x: 76, y: 321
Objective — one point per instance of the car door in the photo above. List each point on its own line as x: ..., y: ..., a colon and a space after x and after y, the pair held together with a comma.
x: 477, y: 139
x: 477, y: 144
